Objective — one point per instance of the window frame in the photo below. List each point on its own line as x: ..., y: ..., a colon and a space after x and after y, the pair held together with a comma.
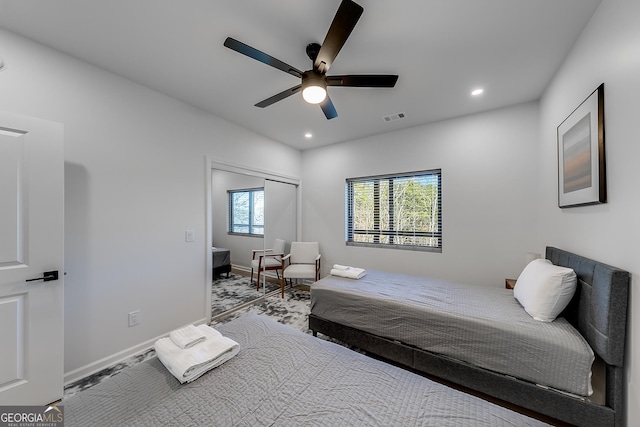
x: 375, y: 230
x: 251, y: 225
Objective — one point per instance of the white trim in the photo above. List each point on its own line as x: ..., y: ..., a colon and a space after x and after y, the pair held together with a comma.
x: 251, y: 171
x: 208, y: 238
x: 114, y: 359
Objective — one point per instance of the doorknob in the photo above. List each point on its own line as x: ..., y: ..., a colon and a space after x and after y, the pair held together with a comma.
x: 47, y: 276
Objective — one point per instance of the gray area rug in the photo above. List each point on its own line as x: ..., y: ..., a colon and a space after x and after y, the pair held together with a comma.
x: 292, y: 310
x: 229, y: 293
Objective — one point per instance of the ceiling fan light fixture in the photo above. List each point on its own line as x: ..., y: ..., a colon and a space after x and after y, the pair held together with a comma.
x: 314, y: 88
x: 314, y: 94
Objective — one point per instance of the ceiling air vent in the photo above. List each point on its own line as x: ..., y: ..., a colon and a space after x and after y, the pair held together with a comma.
x: 394, y: 117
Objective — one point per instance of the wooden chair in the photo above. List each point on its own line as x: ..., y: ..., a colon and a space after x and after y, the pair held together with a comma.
x: 267, y: 260
x: 302, y: 263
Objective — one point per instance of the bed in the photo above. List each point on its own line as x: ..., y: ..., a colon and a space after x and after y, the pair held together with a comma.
x: 504, y: 363
x: 221, y: 261
x: 283, y: 377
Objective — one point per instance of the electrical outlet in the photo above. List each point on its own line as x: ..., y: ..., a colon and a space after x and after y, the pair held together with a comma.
x: 134, y: 318
x: 188, y: 236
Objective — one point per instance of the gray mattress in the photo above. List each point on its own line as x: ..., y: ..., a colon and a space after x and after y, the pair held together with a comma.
x: 485, y: 327
x: 221, y: 257
x: 282, y: 377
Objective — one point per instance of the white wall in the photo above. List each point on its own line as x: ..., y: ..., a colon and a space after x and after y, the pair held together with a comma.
x: 489, y: 171
x: 135, y: 181
x: 608, y: 51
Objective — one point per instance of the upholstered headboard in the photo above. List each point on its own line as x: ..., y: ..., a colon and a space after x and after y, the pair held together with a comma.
x: 599, y: 308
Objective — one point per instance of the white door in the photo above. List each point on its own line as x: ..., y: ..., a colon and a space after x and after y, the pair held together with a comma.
x: 31, y: 244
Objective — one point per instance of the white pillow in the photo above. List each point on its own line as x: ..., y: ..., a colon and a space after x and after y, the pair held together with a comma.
x: 544, y: 289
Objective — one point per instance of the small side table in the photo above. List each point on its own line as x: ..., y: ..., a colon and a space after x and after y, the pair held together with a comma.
x: 510, y: 283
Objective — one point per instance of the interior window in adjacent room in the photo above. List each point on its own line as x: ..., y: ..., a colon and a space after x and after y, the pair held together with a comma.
x: 246, y: 211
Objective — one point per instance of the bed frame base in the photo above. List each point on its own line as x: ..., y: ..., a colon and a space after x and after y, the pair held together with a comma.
x: 544, y: 401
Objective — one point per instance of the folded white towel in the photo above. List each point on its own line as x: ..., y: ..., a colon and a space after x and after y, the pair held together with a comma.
x: 190, y: 363
x: 340, y: 267
x: 187, y: 337
x: 349, y: 273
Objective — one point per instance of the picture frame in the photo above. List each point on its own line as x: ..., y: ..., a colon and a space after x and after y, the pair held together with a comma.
x: 581, y: 155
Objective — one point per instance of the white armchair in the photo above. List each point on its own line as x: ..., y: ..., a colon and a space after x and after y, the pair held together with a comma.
x: 302, y: 263
x: 268, y: 259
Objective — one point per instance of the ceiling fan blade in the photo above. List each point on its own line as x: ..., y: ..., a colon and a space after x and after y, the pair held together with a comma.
x: 279, y: 97
x: 343, y: 23
x: 328, y: 109
x: 363, y: 80
x: 254, y: 53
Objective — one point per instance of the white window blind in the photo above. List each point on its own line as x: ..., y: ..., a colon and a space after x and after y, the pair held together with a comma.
x: 401, y: 211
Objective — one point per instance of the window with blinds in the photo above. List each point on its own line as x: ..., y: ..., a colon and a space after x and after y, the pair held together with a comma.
x: 402, y: 211
x: 246, y: 211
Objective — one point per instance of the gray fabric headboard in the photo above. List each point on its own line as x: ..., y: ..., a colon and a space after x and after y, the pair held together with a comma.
x: 599, y: 308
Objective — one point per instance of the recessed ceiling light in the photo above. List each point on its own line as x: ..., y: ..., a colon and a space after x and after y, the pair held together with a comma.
x: 308, y: 135
x: 477, y: 92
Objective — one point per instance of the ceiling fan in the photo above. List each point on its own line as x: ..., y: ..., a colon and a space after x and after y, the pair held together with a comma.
x: 315, y: 81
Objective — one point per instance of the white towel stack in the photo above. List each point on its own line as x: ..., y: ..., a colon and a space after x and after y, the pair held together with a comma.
x: 347, y: 271
x: 187, y: 337
x: 189, y: 363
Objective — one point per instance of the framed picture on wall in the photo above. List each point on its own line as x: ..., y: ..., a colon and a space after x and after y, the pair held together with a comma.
x: 581, y: 162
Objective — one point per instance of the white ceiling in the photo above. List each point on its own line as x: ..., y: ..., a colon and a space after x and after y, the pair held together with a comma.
x: 441, y: 49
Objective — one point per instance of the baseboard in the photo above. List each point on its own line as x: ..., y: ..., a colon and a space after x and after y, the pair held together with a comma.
x: 246, y: 271
x: 240, y: 269
x: 109, y: 361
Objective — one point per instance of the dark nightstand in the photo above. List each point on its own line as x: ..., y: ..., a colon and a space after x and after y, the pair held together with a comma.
x: 509, y: 283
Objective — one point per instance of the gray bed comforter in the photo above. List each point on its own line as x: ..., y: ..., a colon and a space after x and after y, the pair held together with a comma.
x: 282, y: 377
x: 483, y: 326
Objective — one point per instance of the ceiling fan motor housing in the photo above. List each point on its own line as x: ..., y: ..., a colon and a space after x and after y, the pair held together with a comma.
x: 312, y: 51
